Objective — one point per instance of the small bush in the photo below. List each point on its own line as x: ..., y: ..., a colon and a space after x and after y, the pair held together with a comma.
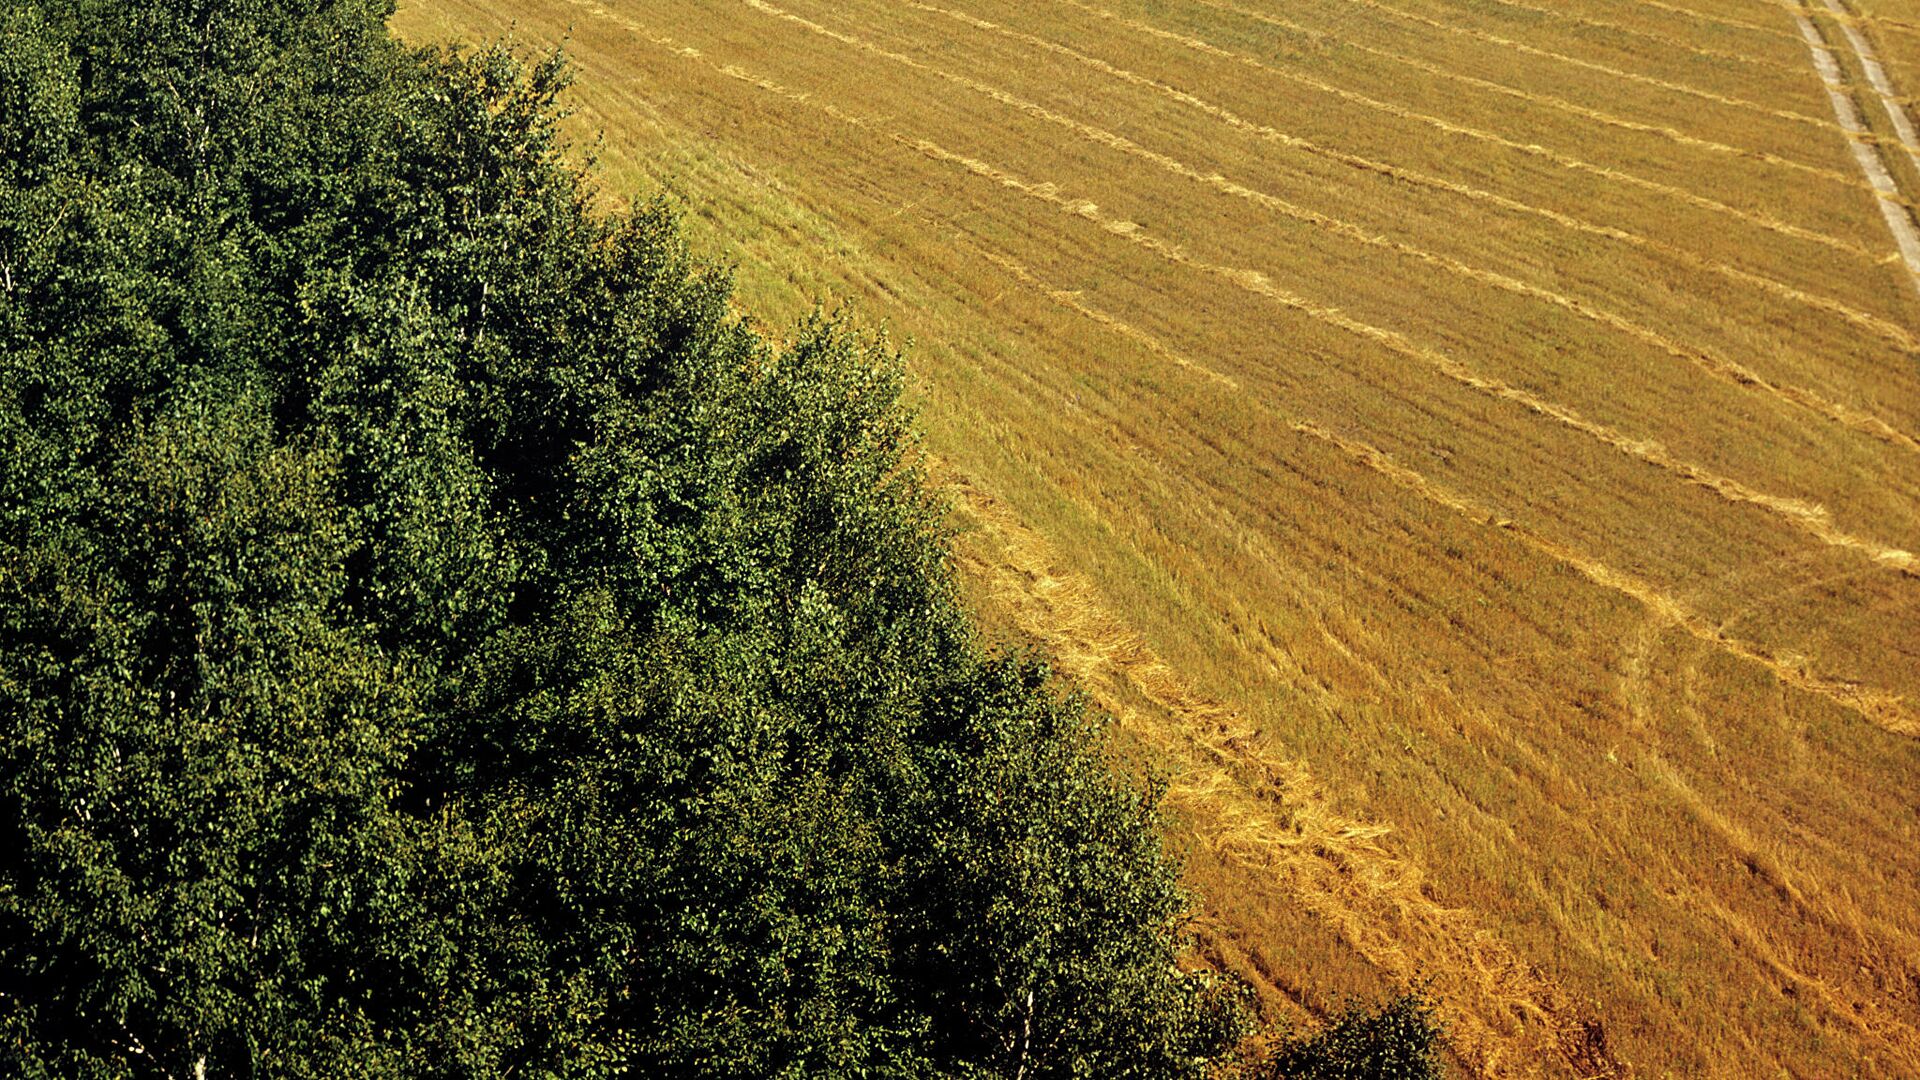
x: 1399, y: 1041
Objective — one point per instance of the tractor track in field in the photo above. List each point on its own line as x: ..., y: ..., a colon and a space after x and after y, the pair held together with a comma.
x: 1880, y: 708
x: 1840, y: 15
x: 1867, y: 149
x: 1811, y: 901
x: 1528, y: 97
x: 1885, y: 328
x: 1877, y: 78
x: 1668, y: 85
x: 1448, y: 127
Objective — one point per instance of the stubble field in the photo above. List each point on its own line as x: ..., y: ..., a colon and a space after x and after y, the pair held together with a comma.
x: 1470, y: 444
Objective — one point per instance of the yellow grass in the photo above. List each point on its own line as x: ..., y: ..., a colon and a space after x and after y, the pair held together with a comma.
x: 1469, y: 444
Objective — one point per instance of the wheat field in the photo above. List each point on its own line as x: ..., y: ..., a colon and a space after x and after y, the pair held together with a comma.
x: 1473, y: 447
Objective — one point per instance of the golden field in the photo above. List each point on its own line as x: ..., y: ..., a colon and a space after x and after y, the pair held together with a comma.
x: 1470, y: 444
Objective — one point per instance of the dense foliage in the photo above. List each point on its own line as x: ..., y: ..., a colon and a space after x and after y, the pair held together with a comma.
x: 437, y: 637
x: 1397, y: 1041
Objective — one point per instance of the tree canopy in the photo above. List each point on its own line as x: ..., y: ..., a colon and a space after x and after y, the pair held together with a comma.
x: 439, y: 637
